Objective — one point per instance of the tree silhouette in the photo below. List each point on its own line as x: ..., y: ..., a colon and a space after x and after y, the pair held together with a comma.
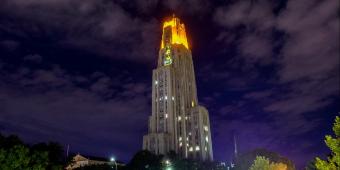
x: 333, y: 161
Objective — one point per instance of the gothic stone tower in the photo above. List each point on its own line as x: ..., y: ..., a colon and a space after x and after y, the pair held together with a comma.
x: 177, y: 122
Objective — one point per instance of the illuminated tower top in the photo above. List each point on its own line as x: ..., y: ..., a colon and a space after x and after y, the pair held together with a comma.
x: 174, y: 33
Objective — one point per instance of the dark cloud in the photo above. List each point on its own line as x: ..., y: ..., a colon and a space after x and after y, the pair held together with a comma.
x: 258, y: 15
x: 102, y: 27
x: 9, y: 44
x: 188, y: 6
x: 256, y: 21
x: 256, y: 48
x: 146, y: 6
x: 53, y: 106
x: 306, y: 79
x: 312, y: 47
x: 33, y: 58
x: 309, y: 57
x: 259, y: 95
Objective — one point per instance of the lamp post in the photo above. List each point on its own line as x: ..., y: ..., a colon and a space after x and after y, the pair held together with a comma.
x: 114, y: 160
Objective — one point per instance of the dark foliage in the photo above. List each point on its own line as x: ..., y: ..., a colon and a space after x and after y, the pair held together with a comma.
x: 310, y: 165
x: 55, y: 153
x: 9, y: 141
x: 145, y: 160
x: 41, y: 156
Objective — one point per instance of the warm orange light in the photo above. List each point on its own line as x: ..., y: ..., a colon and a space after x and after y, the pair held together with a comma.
x: 278, y: 166
x: 178, y: 35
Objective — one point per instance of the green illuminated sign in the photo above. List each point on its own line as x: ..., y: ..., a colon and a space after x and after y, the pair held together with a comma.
x: 167, y: 58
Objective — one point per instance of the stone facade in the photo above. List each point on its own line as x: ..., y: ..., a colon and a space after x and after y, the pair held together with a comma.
x: 178, y: 123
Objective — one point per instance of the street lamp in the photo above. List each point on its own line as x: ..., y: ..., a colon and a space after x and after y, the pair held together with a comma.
x: 112, y: 159
x: 168, y: 165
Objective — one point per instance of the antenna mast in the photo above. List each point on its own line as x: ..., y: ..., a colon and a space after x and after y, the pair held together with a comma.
x: 235, y: 146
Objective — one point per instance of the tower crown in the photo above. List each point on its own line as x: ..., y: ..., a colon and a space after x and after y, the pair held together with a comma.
x: 174, y: 33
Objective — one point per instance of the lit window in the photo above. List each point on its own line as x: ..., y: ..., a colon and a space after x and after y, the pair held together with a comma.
x: 166, y: 97
x: 180, y: 144
x: 173, y: 98
x: 187, y: 139
x: 180, y: 139
x: 189, y: 133
x: 206, y: 128
x: 192, y: 104
x: 186, y: 117
x: 197, y: 148
x: 179, y: 118
x: 187, y: 145
x: 156, y: 82
x: 207, y: 139
x: 205, y: 148
x: 166, y: 115
x: 191, y: 149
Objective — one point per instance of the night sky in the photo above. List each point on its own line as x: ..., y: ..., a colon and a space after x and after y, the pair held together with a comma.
x: 80, y: 72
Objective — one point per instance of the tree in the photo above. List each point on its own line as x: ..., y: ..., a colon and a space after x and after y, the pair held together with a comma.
x: 14, y: 158
x: 14, y: 154
x: 263, y: 163
x: 310, y: 165
x: 278, y: 166
x: 245, y: 160
x: 10, y: 141
x: 145, y: 160
x: 260, y: 163
x: 55, y: 154
x: 333, y: 161
x: 20, y: 157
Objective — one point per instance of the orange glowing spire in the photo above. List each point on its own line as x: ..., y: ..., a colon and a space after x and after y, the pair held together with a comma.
x: 174, y: 33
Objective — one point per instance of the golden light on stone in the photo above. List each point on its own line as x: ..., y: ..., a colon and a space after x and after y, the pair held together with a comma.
x: 178, y: 35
